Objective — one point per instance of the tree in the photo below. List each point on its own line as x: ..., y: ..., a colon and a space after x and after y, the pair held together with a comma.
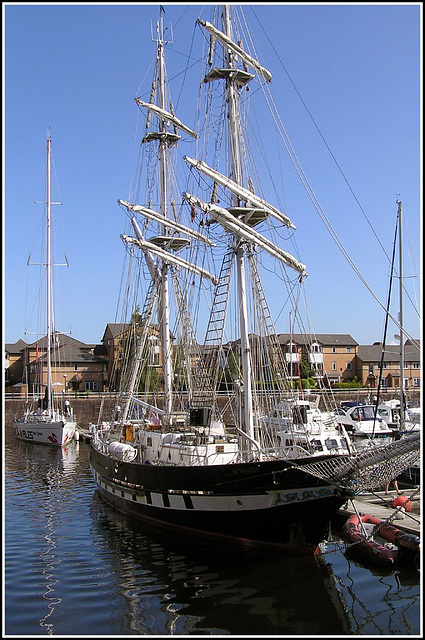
x: 305, y: 369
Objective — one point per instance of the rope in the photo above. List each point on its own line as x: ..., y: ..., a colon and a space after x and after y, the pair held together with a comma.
x: 344, y: 546
x: 367, y: 470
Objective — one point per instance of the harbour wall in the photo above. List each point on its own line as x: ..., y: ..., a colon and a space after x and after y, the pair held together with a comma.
x: 87, y: 407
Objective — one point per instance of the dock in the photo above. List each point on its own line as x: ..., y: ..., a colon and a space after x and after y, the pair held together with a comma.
x: 380, y: 506
x: 84, y: 434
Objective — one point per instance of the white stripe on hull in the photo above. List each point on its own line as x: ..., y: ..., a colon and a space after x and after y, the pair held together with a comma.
x: 223, y: 503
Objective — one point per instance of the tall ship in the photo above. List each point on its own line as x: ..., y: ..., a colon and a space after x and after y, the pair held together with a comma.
x: 208, y: 434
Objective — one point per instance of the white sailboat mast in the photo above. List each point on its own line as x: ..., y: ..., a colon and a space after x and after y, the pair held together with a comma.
x: 48, y: 280
x: 236, y: 175
x: 402, y: 403
x: 164, y: 306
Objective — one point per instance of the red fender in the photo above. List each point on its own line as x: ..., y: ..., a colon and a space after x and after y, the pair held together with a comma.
x: 400, y: 538
x: 373, y: 550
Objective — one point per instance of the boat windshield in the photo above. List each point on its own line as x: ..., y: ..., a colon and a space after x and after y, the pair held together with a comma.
x: 368, y: 412
x: 364, y: 413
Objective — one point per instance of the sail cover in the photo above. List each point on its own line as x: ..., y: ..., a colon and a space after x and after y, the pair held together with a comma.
x: 243, y: 230
x: 235, y: 48
x: 241, y: 192
x: 169, y: 257
x: 166, y: 115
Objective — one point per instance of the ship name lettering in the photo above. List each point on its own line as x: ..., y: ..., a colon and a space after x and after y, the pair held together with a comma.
x: 244, y: 471
x: 296, y: 496
x: 25, y: 433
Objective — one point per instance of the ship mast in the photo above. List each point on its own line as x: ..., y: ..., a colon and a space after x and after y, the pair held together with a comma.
x: 48, y: 281
x: 236, y: 175
x: 164, y: 305
x: 400, y: 245
x: 160, y: 251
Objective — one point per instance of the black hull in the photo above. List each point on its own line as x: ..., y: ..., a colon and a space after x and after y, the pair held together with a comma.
x: 259, y: 502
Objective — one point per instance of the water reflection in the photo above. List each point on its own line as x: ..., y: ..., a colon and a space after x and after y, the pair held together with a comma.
x: 382, y: 606
x: 173, y: 585
x: 37, y: 457
x: 76, y: 566
x: 39, y: 485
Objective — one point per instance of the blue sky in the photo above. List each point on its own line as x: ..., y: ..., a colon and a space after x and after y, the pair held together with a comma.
x: 76, y: 69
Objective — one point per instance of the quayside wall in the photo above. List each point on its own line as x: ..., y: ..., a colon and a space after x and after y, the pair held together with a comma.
x: 87, y: 406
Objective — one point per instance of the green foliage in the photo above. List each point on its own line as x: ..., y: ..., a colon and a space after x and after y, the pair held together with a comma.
x: 354, y: 383
x: 304, y: 369
x: 149, y: 379
x: 306, y: 383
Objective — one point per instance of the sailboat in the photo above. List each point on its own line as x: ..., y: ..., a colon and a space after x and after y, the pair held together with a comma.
x: 47, y: 419
x: 190, y: 442
x: 395, y: 411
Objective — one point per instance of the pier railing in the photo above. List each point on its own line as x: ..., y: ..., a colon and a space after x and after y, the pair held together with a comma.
x: 358, y: 393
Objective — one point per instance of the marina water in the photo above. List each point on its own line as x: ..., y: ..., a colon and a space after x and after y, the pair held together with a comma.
x: 75, y: 566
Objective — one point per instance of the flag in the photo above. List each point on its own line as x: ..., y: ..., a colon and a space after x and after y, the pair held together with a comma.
x: 155, y: 420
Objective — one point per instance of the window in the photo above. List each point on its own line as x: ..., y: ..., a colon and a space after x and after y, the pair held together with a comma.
x: 371, y: 368
x: 154, y: 349
x: 75, y: 367
x: 90, y: 386
x: 348, y: 365
x: 416, y: 365
x: 384, y: 413
x: 333, y: 366
x: 416, y: 382
x: 331, y: 444
x: 406, y: 365
x: 317, y: 445
x: 348, y: 349
x: 155, y: 356
x: 333, y: 349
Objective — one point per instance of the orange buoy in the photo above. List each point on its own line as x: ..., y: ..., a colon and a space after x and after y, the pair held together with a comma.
x: 402, y: 501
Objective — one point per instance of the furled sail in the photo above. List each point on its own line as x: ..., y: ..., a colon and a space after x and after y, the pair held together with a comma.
x: 241, y: 192
x: 169, y: 257
x: 167, y: 116
x: 235, y: 225
x: 152, y: 265
x: 227, y: 42
x: 154, y: 215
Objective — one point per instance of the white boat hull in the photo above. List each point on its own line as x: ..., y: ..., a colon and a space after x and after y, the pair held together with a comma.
x: 57, y: 433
